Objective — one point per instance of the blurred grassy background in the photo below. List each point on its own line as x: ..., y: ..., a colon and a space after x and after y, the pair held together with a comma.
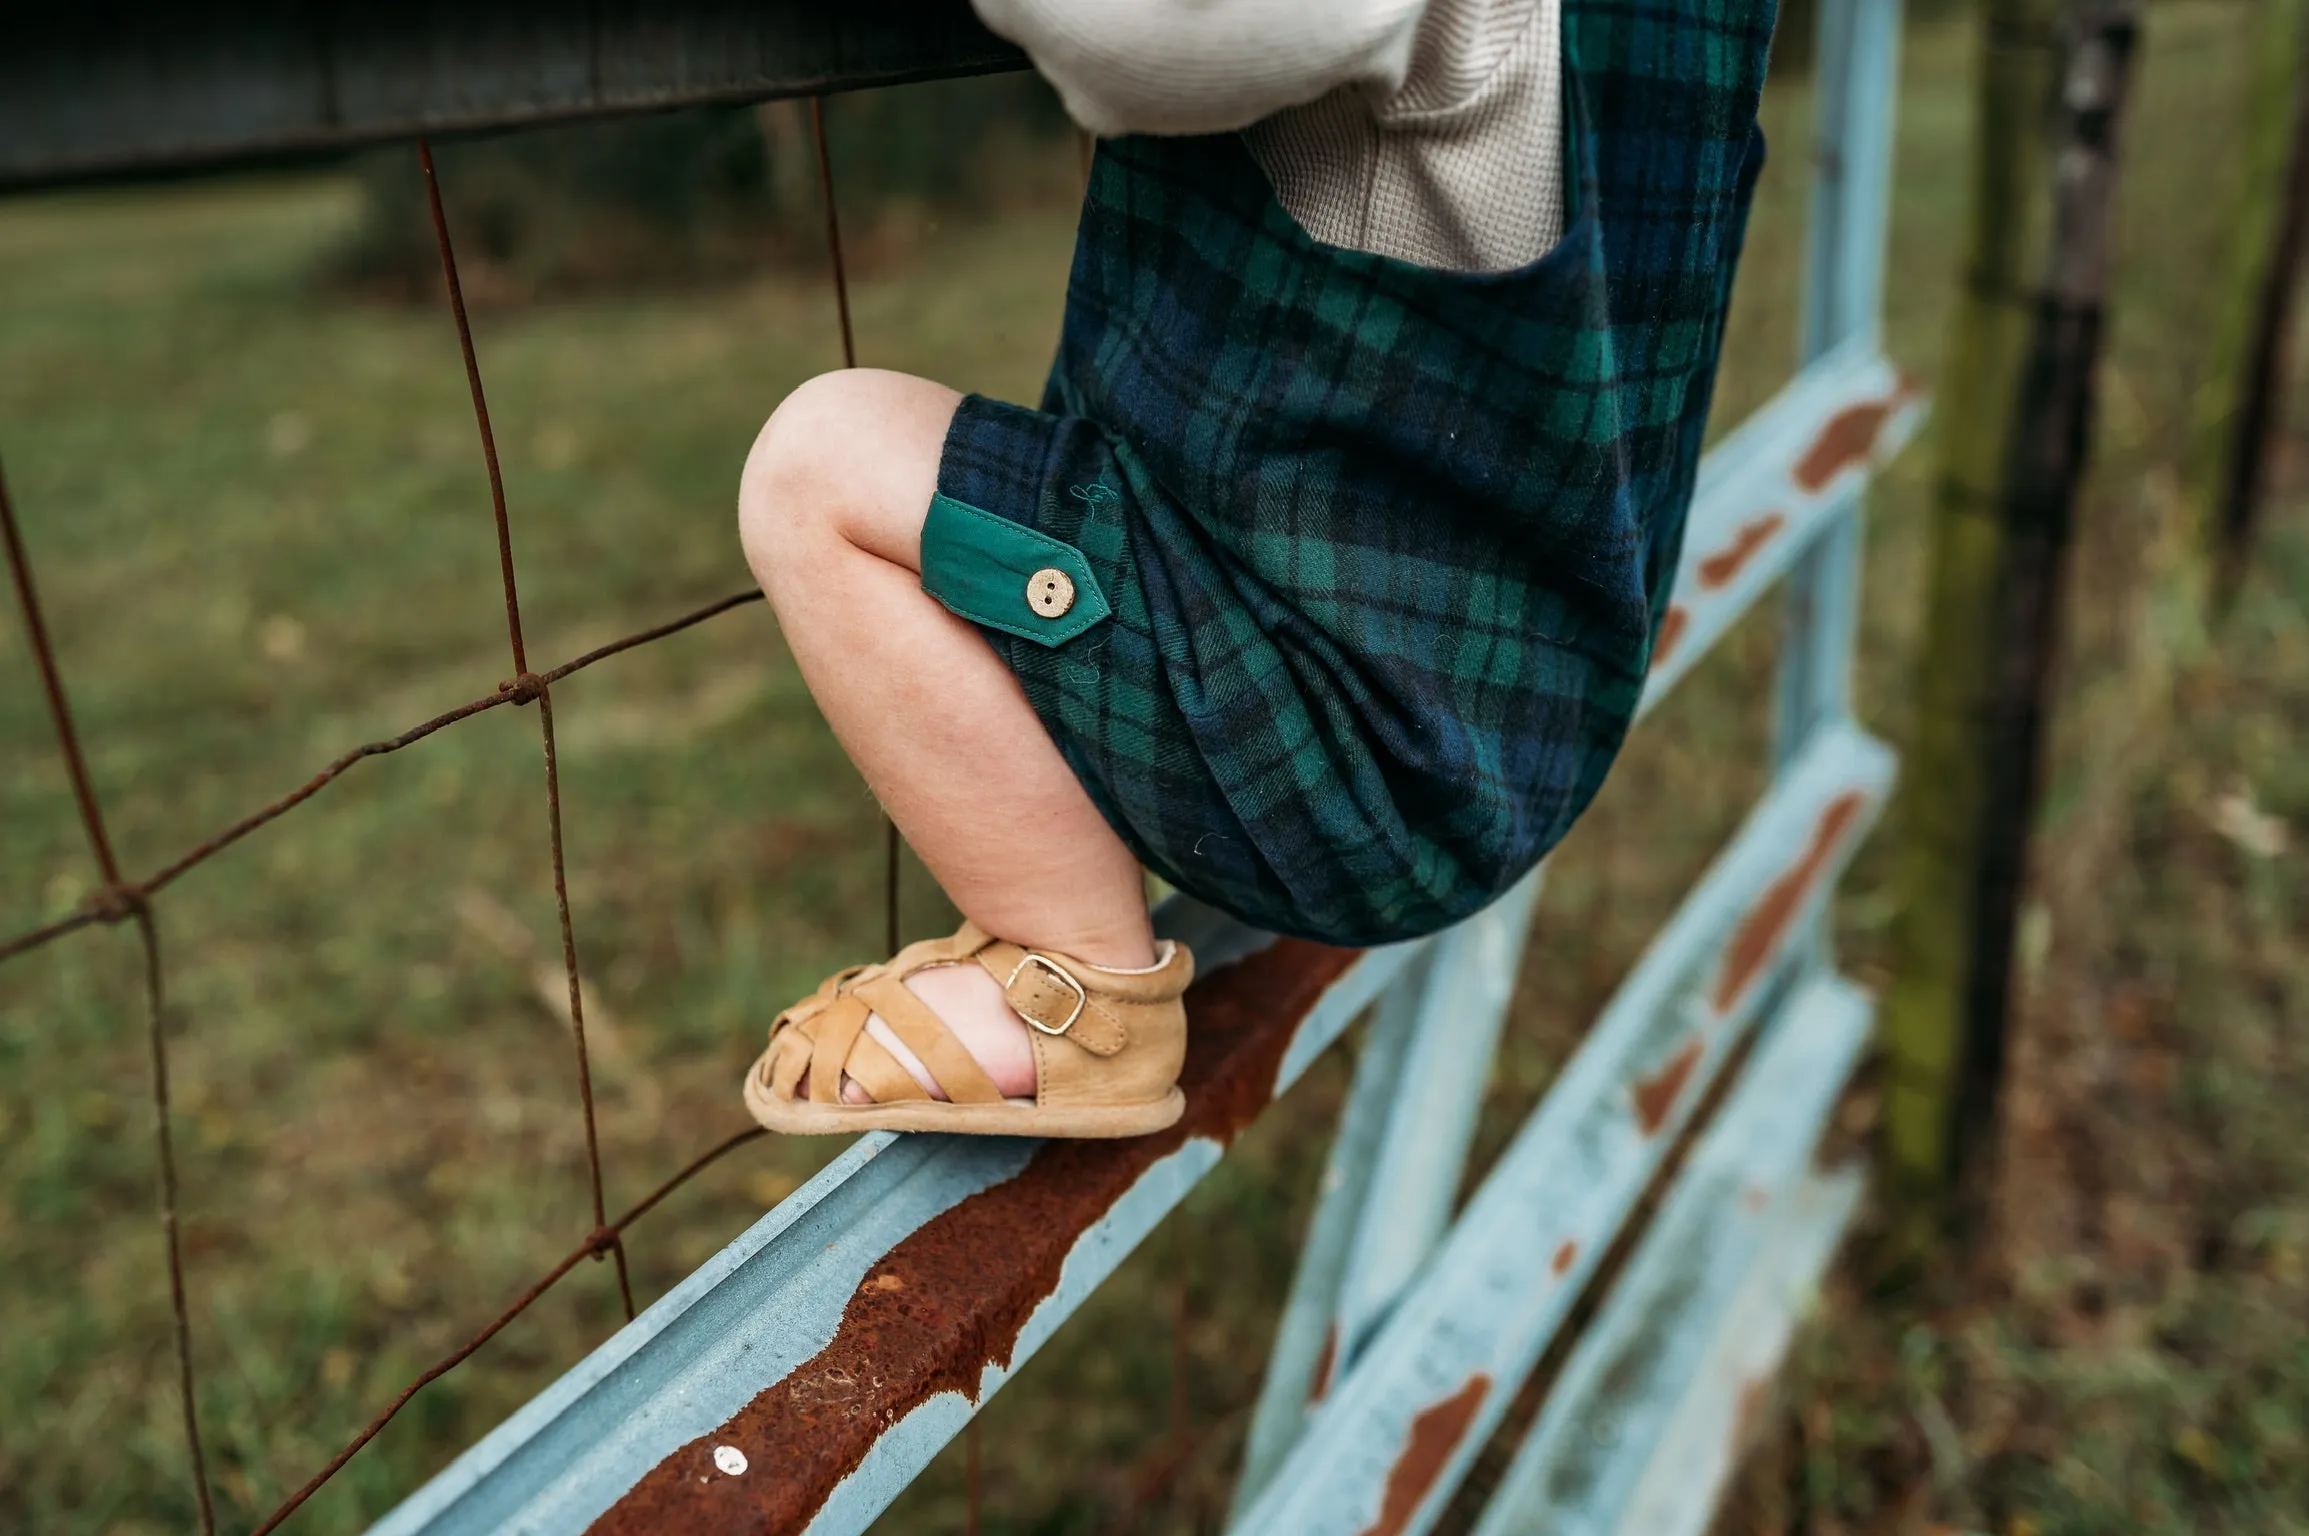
x: 258, y: 512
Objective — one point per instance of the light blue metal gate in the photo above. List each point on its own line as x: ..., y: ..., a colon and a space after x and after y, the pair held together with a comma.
x: 802, y: 1378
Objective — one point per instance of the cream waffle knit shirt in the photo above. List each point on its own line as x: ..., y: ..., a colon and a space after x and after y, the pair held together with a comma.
x: 1429, y: 130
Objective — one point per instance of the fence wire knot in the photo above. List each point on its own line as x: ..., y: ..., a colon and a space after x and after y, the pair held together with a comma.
x: 601, y: 1241
x: 525, y: 689
x: 117, y: 903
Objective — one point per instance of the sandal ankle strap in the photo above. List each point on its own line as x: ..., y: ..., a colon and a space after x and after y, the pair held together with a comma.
x: 1061, y: 996
x: 1049, y: 993
x: 1046, y: 994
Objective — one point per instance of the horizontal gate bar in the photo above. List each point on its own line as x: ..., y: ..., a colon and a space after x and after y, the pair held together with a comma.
x: 1385, y: 1449
x: 1638, y: 1431
x: 850, y: 1333
x: 105, y: 88
x: 1771, y: 486
x: 1726, y: 1403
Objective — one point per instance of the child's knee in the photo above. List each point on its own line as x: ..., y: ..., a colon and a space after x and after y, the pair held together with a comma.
x: 850, y: 455
x: 790, y: 490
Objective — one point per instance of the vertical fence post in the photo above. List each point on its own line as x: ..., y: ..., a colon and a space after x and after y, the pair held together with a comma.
x: 1938, y: 817
x: 2051, y: 446
x: 2027, y: 344
x: 2243, y: 383
x: 1857, y: 77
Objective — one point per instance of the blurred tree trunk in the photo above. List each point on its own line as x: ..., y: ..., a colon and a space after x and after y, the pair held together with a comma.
x: 2237, y: 403
x: 2014, y: 433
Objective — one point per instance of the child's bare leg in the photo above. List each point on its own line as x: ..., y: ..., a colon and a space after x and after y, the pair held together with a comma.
x: 831, y: 511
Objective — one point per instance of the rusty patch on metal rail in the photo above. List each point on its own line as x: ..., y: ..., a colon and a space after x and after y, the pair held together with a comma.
x: 950, y: 1299
x: 1719, y: 568
x: 1849, y: 438
x: 1759, y: 933
x: 1655, y: 1096
x: 1672, y: 627
x: 1324, y: 1364
x: 1565, y: 1254
x: 1435, y: 1434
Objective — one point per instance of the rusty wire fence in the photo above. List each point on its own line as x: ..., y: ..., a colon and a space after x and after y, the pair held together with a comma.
x: 122, y: 898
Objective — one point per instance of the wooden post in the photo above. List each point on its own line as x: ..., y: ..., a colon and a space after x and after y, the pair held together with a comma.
x: 2015, y: 441
x: 1937, y: 819
x: 2236, y: 405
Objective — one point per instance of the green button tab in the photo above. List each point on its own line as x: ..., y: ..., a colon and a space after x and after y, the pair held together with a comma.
x: 993, y: 571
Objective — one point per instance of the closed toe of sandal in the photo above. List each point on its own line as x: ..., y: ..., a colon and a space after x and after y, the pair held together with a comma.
x: 1108, y: 1046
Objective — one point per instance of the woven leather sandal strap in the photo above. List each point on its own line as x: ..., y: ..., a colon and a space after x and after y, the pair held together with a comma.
x: 838, y: 1029
x: 882, y: 1075
x: 819, y: 1001
x: 930, y: 1038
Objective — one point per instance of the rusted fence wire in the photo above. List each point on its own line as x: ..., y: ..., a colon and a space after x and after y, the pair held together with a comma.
x: 525, y: 682
x: 124, y: 903
x: 125, y: 900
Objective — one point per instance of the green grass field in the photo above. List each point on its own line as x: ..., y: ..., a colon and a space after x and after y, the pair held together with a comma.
x: 262, y: 528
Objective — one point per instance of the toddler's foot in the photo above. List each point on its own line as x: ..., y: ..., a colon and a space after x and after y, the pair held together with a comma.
x: 968, y: 1001
x: 975, y: 1035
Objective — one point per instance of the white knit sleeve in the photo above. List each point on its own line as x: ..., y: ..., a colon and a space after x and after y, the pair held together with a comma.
x: 1205, y: 66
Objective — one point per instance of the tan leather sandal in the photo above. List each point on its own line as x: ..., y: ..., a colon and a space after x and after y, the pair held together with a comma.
x: 1108, y: 1046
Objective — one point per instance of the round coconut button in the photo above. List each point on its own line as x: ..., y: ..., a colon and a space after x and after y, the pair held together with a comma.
x: 1050, y: 592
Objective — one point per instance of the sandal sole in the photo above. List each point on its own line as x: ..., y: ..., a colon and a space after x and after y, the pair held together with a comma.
x: 1102, y: 1122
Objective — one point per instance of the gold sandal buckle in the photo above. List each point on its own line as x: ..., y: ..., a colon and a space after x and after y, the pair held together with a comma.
x: 1081, y: 993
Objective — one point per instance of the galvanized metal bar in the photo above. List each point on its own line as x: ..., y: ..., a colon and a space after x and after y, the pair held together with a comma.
x: 1731, y: 1391
x: 1858, y: 75
x: 1464, y: 992
x: 1395, y: 1166
x: 1768, y: 490
x: 1305, y: 1354
x: 1386, y: 1448
x: 1857, y: 69
x: 106, y: 88
x: 841, y: 1341
x: 1730, y: 1226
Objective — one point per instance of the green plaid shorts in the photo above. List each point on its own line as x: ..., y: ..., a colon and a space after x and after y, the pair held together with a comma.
x: 1361, y: 561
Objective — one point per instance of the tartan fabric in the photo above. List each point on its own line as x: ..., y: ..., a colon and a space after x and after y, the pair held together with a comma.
x: 1386, y: 546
